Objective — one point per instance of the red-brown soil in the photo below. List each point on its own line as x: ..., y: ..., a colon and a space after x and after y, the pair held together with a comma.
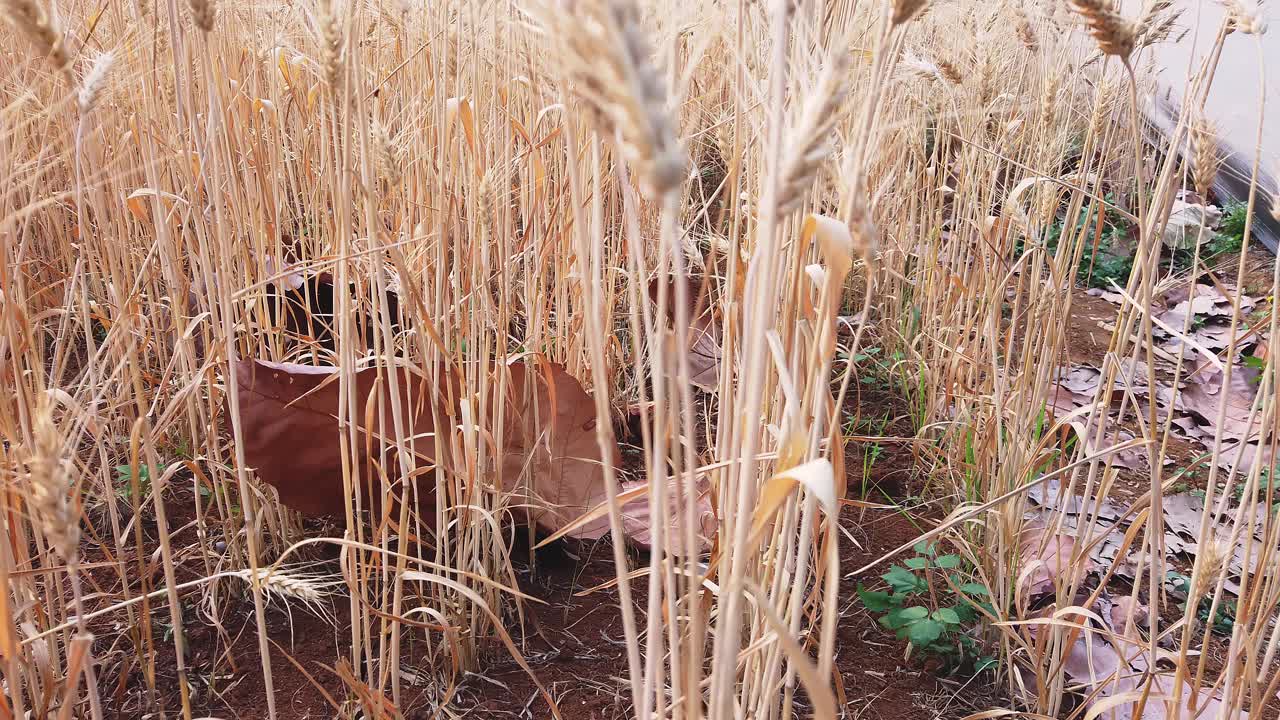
x: 574, y: 644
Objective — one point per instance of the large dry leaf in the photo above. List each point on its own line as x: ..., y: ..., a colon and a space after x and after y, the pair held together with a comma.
x: 1206, y: 391
x: 554, y: 458
x: 1044, y: 556
x: 705, y: 332
x: 1076, y: 389
x: 288, y: 416
x: 551, y: 461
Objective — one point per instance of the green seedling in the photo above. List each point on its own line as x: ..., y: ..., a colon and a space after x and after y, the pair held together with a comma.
x: 937, y: 617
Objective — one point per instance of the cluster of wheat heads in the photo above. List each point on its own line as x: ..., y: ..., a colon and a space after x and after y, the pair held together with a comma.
x: 518, y: 174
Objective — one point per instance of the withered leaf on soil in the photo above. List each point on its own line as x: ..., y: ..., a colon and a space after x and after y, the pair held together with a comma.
x: 1205, y: 391
x: 551, y: 460
x: 705, y: 331
x: 1044, y: 556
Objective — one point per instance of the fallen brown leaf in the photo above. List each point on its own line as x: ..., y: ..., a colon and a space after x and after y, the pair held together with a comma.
x: 288, y: 416
x: 551, y: 461
x: 705, y: 331
x: 1205, y: 391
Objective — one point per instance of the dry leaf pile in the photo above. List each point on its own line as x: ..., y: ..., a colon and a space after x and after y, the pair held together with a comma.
x: 1094, y: 533
x: 1191, y: 404
x: 1107, y: 655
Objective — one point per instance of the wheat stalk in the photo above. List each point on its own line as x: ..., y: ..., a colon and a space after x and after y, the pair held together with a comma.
x: 1274, y: 198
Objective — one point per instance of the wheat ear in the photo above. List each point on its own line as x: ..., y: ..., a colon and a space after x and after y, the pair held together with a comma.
x: 904, y: 11
x: 50, y: 489
x: 39, y: 23
x: 91, y: 88
x: 809, y: 142
x: 1113, y: 33
x: 609, y: 62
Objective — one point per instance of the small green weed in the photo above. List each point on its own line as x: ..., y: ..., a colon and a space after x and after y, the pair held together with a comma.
x: 1224, y: 618
x: 938, y: 618
x: 1107, y: 263
x: 124, y: 484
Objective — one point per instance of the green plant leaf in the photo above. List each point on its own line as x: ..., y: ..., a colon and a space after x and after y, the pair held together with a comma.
x: 975, y: 589
x: 915, y: 612
x: 903, y: 616
x: 946, y: 615
x: 878, y: 601
x: 903, y: 580
x: 923, y: 632
x: 923, y: 548
x: 966, y: 613
x: 948, y: 562
x: 917, y: 563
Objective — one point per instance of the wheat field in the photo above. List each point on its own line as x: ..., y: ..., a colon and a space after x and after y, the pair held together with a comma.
x: 326, y: 327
